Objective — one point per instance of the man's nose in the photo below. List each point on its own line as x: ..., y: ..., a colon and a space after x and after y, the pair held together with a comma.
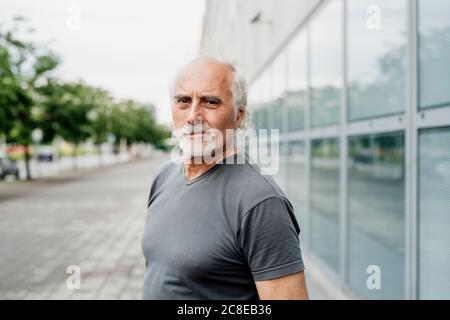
x: 195, y: 112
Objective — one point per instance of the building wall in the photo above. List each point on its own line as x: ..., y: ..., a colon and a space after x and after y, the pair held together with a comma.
x: 229, y: 33
x: 359, y: 92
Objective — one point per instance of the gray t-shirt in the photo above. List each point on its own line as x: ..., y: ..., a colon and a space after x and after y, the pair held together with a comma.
x: 212, y: 237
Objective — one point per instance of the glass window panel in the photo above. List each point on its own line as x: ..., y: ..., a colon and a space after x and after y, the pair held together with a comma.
x: 261, y: 101
x: 261, y: 117
x: 295, y: 103
x: 267, y: 96
x: 376, y: 213
x: 277, y: 114
x: 278, y: 75
x: 376, y: 57
x: 254, y: 91
x: 281, y: 176
x: 253, y: 102
x: 434, y: 53
x: 326, y: 64
x: 325, y: 200
x: 434, y: 213
x: 255, y: 118
x: 295, y: 96
x: 266, y: 89
x: 296, y: 181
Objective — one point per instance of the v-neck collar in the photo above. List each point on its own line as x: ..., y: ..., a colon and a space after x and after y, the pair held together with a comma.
x: 207, y: 172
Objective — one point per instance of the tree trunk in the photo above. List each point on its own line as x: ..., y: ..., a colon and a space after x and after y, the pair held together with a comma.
x: 27, y: 162
x: 74, y: 158
x: 99, y: 153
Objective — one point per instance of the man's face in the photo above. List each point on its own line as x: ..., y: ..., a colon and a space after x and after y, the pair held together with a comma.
x: 202, y: 108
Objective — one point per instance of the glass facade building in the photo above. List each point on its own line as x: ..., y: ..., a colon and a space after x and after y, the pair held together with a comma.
x: 361, y: 95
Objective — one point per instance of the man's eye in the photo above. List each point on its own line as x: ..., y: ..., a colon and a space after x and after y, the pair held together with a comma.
x: 212, y: 103
x: 183, y: 100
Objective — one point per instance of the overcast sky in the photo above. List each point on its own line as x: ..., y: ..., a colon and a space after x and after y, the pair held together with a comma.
x: 130, y: 47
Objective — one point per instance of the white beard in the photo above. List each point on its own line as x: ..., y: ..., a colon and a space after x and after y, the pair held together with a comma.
x: 197, y: 147
x: 200, y: 146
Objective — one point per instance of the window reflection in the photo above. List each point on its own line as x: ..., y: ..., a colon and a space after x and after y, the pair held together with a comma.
x: 296, y: 182
x: 281, y: 176
x: 434, y: 215
x: 262, y: 102
x: 376, y: 212
x: 325, y: 200
x: 376, y: 58
x: 434, y: 53
x: 295, y: 97
x: 278, y: 74
x: 326, y: 64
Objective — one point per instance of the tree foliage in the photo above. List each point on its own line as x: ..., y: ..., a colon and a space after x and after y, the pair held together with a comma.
x: 31, y: 97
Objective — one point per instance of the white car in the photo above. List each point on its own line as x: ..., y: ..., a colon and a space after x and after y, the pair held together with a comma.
x: 47, y: 153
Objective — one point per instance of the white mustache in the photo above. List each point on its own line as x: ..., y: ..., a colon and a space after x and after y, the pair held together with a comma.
x: 189, y: 129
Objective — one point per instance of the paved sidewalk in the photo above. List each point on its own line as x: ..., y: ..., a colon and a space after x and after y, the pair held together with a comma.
x: 93, y: 220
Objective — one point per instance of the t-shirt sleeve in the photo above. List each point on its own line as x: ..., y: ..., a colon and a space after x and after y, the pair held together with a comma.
x: 269, y: 240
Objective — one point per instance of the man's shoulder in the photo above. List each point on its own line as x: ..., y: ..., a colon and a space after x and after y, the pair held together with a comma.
x: 163, y: 171
x: 250, y: 183
x: 160, y: 175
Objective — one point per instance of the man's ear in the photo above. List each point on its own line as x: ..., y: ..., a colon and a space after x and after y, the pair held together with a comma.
x: 240, y: 115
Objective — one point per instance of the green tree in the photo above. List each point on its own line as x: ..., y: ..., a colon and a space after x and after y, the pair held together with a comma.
x: 135, y: 123
x: 67, y: 110
x: 100, y: 117
x: 22, y: 67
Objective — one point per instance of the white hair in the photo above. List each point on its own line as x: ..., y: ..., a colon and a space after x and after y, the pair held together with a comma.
x: 238, y: 88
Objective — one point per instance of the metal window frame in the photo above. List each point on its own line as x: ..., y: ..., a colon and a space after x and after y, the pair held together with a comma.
x: 431, y: 118
x: 344, y: 226
x: 307, y: 139
x: 411, y: 156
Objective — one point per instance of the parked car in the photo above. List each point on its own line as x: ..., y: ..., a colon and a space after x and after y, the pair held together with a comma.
x: 47, y: 153
x: 7, y: 168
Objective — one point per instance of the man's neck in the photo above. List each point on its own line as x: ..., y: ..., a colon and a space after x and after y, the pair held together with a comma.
x: 193, y: 170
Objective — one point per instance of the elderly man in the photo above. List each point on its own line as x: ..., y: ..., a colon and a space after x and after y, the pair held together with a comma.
x: 216, y: 230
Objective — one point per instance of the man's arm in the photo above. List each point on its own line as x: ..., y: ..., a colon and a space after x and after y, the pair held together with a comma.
x: 292, y: 287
